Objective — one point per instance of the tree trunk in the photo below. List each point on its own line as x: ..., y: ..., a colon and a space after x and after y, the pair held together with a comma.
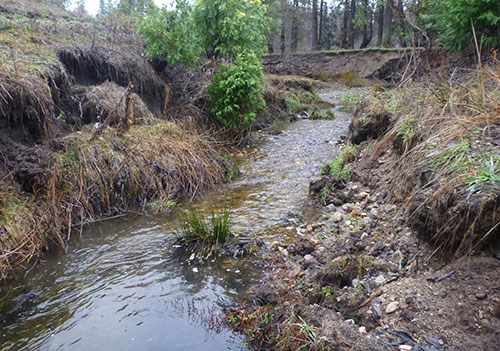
x: 380, y: 25
x: 400, y: 14
x: 322, y: 15
x: 345, y: 26
x: 295, y: 26
x: 367, y: 25
x: 350, y: 24
x: 388, y: 15
x: 314, y: 25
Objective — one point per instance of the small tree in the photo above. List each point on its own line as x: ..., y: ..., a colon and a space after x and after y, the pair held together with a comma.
x: 454, y: 21
x: 236, y: 91
x: 171, y: 35
x: 230, y: 27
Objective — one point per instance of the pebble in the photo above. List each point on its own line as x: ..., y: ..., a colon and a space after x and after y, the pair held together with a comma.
x: 392, y: 307
x: 390, y: 208
x: 195, y: 270
x: 309, y: 258
x: 380, y: 279
x: 363, y: 195
x: 397, y: 257
x: 337, y: 217
x: 481, y: 295
x: 283, y: 251
x: 405, y: 347
x: 362, y: 330
x: 364, y: 236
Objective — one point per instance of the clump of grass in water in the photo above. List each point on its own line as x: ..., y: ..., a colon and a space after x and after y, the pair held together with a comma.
x: 203, y: 236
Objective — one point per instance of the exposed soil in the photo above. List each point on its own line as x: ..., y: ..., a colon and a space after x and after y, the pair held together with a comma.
x: 352, y: 66
x: 363, y: 281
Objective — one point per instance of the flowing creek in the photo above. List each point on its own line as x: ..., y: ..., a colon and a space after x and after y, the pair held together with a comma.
x: 123, y: 287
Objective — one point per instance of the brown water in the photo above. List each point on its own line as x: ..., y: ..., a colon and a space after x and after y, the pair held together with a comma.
x: 123, y: 286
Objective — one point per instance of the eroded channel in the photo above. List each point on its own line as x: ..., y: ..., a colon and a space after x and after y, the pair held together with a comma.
x: 123, y: 287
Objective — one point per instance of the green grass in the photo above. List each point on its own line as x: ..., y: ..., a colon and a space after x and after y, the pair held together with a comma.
x: 204, y: 235
x: 489, y: 173
x: 455, y: 157
x: 337, y: 168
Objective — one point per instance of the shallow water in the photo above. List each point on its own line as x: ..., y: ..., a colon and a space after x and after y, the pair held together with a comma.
x: 123, y: 286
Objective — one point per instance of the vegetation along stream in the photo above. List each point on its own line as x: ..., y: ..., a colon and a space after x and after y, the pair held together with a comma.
x: 123, y: 286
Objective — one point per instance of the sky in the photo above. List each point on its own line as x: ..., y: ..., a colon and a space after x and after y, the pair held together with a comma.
x: 92, y: 6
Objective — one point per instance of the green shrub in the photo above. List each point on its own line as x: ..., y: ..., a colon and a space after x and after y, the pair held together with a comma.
x: 236, y: 92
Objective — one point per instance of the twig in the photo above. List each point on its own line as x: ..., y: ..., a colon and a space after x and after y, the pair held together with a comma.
x: 99, y: 220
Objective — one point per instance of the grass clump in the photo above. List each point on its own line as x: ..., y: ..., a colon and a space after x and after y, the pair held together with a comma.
x: 337, y: 168
x: 203, y: 235
x: 340, y: 167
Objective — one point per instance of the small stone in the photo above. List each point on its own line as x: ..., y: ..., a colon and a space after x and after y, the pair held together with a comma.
x: 362, y: 195
x: 392, y: 307
x: 362, y: 330
x: 397, y: 257
x: 195, y: 270
x: 405, y: 347
x: 354, y: 213
x: 364, y: 236
x: 481, y: 295
x: 309, y: 258
x: 380, y: 279
x: 374, y: 212
x: 348, y: 223
x: 390, y: 208
x: 309, y: 228
x: 337, y: 217
x: 283, y: 251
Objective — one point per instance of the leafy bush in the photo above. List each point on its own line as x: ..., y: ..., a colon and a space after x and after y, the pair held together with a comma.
x: 454, y: 20
x: 171, y: 34
x: 236, y: 92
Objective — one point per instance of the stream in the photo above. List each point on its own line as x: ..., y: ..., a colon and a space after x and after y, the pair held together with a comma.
x: 123, y: 287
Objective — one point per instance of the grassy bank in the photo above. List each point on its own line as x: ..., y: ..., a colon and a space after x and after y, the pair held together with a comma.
x: 445, y: 167
x: 94, y: 177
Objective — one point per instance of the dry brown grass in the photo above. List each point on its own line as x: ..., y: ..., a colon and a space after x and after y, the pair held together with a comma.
x: 98, y: 177
x: 447, y: 169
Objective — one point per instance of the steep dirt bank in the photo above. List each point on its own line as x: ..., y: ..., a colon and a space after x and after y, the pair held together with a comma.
x: 375, y: 63
x: 381, y: 269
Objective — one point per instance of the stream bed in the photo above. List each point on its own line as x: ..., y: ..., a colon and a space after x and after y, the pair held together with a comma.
x: 123, y: 287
